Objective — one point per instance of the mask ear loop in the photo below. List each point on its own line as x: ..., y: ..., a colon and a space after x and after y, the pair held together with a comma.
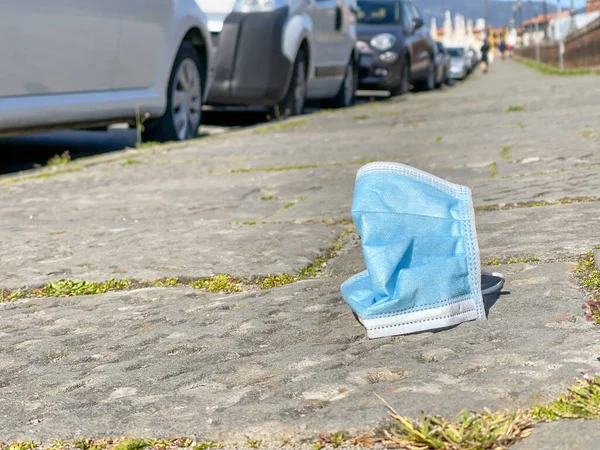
x: 495, y: 282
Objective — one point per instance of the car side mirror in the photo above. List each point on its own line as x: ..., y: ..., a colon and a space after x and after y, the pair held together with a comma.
x: 418, y: 23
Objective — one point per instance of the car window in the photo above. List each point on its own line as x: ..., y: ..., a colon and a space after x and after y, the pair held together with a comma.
x: 407, y: 17
x: 378, y: 13
x: 415, y: 12
x: 456, y: 51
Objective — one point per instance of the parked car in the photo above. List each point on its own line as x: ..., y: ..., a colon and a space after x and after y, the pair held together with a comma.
x: 278, y: 54
x: 473, y: 59
x: 395, y: 47
x: 459, y: 63
x: 442, y: 64
x: 83, y: 63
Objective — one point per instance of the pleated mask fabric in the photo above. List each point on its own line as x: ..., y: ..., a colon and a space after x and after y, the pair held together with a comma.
x: 420, y: 247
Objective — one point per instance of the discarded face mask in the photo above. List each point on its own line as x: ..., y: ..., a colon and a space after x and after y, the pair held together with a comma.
x: 420, y: 247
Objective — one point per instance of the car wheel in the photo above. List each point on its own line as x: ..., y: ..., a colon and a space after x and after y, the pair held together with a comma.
x: 293, y: 102
x: 403, y: 85
x: 183, y: 115
x: 346, y: 96
x: 429, y: 83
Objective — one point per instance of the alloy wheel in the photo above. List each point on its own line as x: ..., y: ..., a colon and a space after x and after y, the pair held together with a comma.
x: 186, y: 101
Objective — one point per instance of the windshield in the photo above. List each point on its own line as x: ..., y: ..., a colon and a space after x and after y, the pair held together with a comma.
x: 456, y: 51
x: 378, y: 13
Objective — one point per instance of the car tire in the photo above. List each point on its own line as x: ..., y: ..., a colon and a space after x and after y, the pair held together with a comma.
x: 346, y: 96
x: 429, y: 82
x: 403, y: 85
x: 295, y: 98
x: 183, y: 115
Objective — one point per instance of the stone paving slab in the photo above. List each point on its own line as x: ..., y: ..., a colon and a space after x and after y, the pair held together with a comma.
x: 568, y: 435
x: 293, y: 360
x: 290, y: 361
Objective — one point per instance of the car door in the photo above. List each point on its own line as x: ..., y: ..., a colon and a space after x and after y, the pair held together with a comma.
x: 422, y: 49
x: 409, y: 36
x: 144, y: 29
x: 328, y: 43
x: 57, y: 46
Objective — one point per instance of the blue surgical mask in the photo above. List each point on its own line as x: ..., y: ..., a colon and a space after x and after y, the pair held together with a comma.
x: 420, y: 248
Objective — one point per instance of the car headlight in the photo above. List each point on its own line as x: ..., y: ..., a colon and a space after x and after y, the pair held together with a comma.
x: 250, y: 6
x: 383, y: 42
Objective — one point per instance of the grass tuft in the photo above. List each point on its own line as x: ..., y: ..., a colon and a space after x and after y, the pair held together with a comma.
x: 498, y: 262
x: 71, y: 288
x: 515, y: 108
x: 581, y: 402
x: 281, y: 126
x: 493, y: 170
x: 505, y: 153
x: 218, y: 283
x: 60, y: 160
x: 167, y: 282
x: 467, y: 431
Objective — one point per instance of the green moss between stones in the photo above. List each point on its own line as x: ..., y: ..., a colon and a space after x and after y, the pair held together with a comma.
x: 493, y: 170
x: 562, y: 201
x: 505, y: 153
x: 498, y: 262
x: 40, y: 176
x: 515, y: 108
x: 492, y: 430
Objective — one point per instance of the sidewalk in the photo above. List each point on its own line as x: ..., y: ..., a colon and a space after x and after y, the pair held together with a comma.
x: 291, y: 361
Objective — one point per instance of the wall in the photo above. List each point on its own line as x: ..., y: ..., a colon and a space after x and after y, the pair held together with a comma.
x: 582, y: 49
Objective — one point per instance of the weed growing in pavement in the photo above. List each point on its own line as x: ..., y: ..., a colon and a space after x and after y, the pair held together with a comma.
x: 562, y: 201
x: 467, y: 431
x: 590, y: 135
x: 581, y: 402
x: 362, y: 117
x: 7, y: 296
x: 414, y: 125
x: 493, y: 170
x: 498, y: 262
x: 139, y: 124
x: 39, y: 176
x: 60, y: 160
x: 167, y: 282
x: 269, y: 197
x: 131, y: 162
x: 521, y: 124
x: 273, y: 168
x: 132, y: 444
x: 255, y: 443
x: 281, y: 126
x: 589, y: 276
x: 22, y: 445
x: 505, y: 153
x: 439, y: 139
x: 207, y: 445
x: 218, y: 283
x: 515, y: 108
x: 70, y: 288
x: 295, y: 202
x: 89, y: 444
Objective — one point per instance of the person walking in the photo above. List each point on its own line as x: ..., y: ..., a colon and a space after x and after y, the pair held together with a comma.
x: 503, y: 49
x: 485, y: 50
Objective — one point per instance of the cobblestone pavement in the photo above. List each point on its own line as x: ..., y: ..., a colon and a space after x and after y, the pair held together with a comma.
x: 293, y: 361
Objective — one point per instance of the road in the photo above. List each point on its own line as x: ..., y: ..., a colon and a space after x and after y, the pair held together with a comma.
x: 278, y: 357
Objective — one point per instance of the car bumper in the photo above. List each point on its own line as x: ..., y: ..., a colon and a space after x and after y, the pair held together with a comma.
x: 457, y: 74
x: 376, y: 74
x: 250, y: 67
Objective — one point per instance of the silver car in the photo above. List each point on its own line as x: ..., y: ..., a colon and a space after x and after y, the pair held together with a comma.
x: 459, y: 63
x: 90, y: 63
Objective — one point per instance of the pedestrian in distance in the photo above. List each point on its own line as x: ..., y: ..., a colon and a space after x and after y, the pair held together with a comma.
x: 485, y: 50
x: 503, y: 50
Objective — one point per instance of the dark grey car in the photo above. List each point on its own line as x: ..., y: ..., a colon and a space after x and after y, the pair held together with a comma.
x: 395, y: 47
